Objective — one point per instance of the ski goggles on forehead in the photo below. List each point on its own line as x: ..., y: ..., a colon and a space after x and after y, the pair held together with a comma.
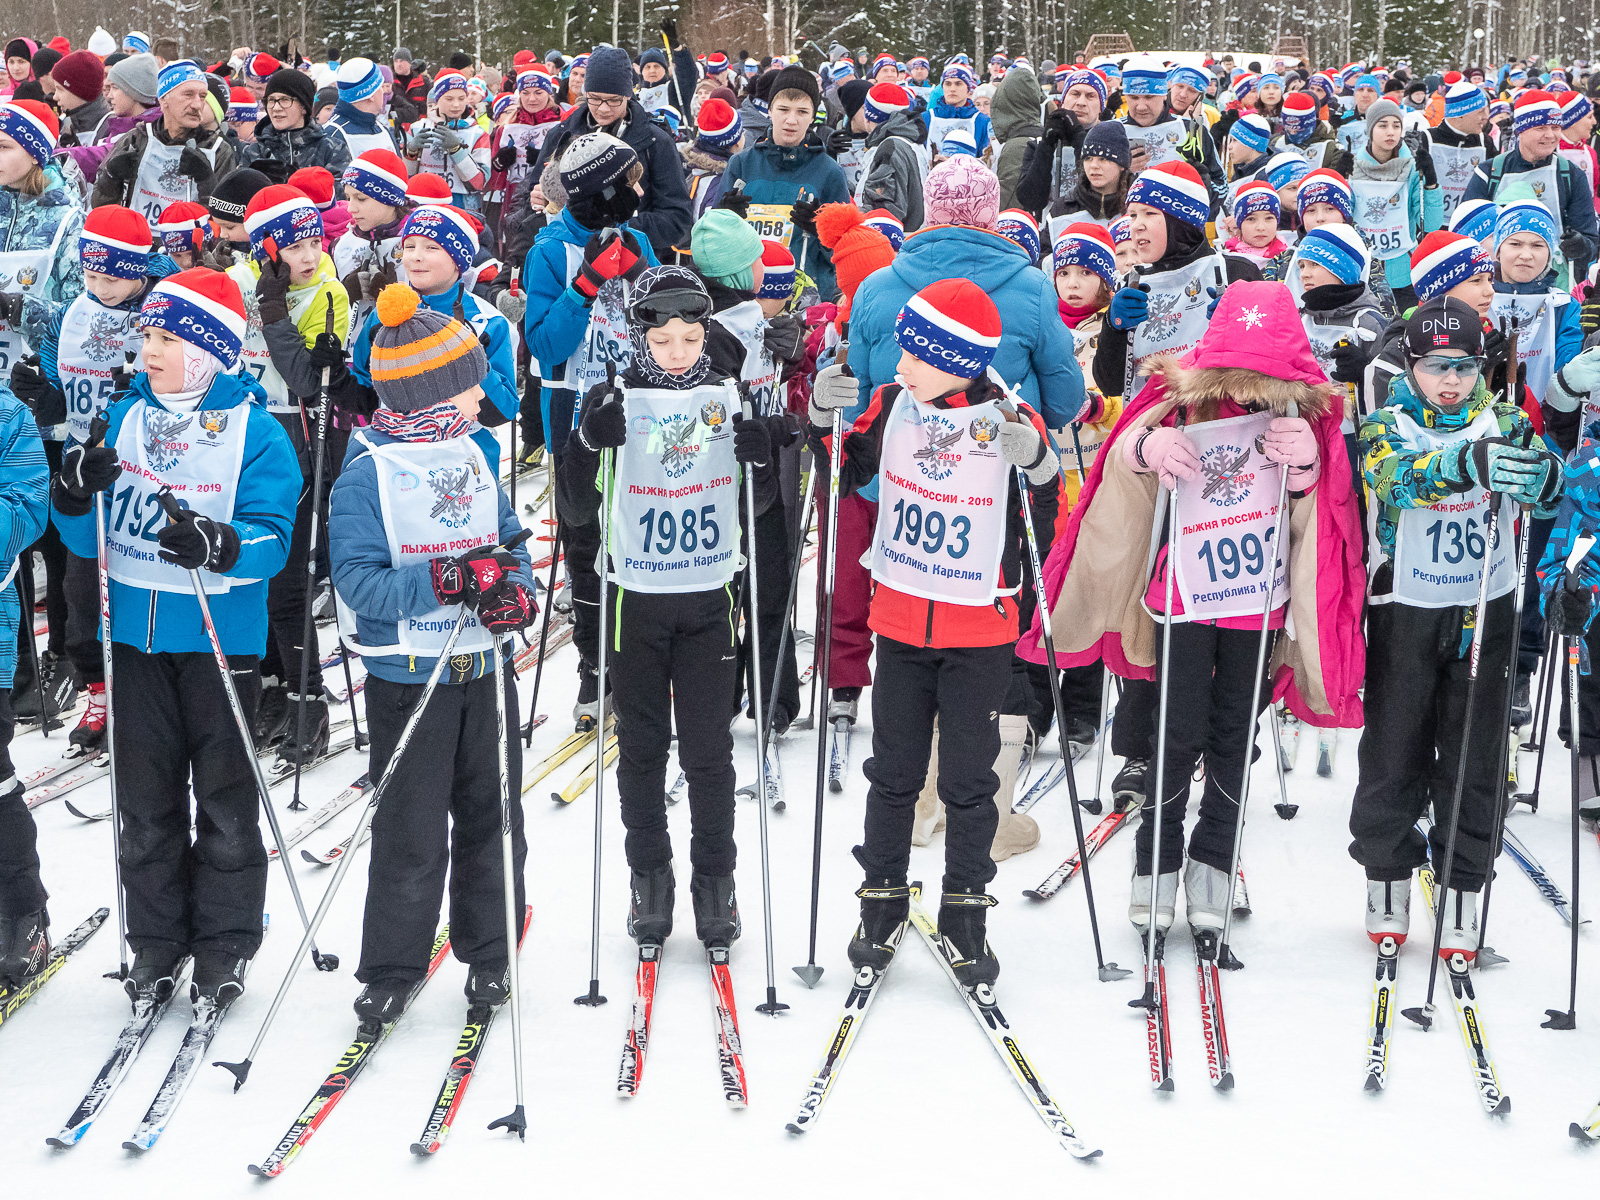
x: 1438, y: 366
x: 656, y: 309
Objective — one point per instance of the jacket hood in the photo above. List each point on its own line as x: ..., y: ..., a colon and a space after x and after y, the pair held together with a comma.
x: 1016, y: 104
x: 901, y: 125
x: 1544, y: 283
x: 227, y: 391
x: 790, y: 156
x: 352, y: 117
x: 694, y: 156
x: 952, y: 251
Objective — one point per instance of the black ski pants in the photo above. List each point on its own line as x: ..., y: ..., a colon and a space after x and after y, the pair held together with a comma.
x: 674, y: 653
x: 965, y: 687
x: 773, y: 564
x: 440, y: 813
x: 287, y: 597
x: 21, y: 889
x: 1212, y: 673
x: 81, y: 582
x: 1416, y: 713
x: 1133, y: 730
x: 203, y: 891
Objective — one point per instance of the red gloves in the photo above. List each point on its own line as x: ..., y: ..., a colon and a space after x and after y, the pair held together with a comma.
x: 463, y: 579
x: 507, y: 607
x: 619, y: 258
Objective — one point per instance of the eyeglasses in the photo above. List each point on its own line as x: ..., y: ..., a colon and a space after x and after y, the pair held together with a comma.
x: 1438, y: 366
x: 280, y: 101
x: 606, y: 101
x: 655, y: 310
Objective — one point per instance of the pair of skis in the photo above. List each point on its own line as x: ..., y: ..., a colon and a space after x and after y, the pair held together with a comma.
x: 725, y: 1018
x: 984, y: 1008
x: 839, y: 754
x: 1289, y: 745
x: 1213, y: 1022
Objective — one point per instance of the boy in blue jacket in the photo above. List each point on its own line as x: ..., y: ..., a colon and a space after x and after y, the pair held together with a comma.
x: 415, y: 517
x: 190, y: 424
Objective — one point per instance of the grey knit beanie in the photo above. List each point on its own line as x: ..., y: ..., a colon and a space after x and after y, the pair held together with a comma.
x: 136, y: 75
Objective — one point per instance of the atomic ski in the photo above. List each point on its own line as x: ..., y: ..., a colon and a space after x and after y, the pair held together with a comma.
x: 454, y: 1088
x: 1473, y: 1037
x: 637, y: 1043
x: 986, y: 1010
x: 1093, y: 840
x: 839, y: 755
x: 147, y: 1014
x: 13, y: 998
x: 1380, y: 1027
x: 323, y: 815
x: 863, y: 990
x: 345, y: 1072
x: 730, y: 1052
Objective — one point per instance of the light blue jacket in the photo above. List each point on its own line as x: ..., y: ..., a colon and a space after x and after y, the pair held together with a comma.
x: 24, y: 510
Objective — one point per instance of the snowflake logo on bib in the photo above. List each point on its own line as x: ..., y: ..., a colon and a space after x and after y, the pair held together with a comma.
x: 1227, y: 480
x: 452, y: 505
x: 1458, y: 170
x: 162, y: 449
x: 1322, y: 348
x: 679, y: 444
x: 936, y: 459
x: 1164, y: 316
x: 1153, y: 143
x: 1377, y: 208
x: 174, y: 182
x: 103, y: 341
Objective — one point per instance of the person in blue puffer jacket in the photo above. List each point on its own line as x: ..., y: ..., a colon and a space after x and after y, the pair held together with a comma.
x: 188, y: 424
x: 416, y: 517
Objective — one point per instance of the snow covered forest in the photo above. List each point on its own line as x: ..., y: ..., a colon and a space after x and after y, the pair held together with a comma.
x: 1462, y: 32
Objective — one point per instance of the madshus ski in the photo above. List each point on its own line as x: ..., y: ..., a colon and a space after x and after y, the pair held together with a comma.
x: 986, y: 1011
x: 345, y: 1072
x: 185, y: 1066
x: 1157, y: 1023
x: 1093, y: 840
x: 1213, y: 1025
x: 453, y: 1090
x: 13, y: 998
x: 147, y: 1014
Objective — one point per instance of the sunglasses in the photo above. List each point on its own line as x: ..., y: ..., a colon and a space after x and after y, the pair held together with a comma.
x: 1438, y: 366
x: 657, y: 309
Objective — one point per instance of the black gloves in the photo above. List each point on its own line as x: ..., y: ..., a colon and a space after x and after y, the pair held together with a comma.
x: 46, y: 401
x: 504, y: 157
x: 1341, y: 161
x: 735, y: 201
x: 752, y: 443
x: 669, y: 26
x: 86, y: 470
x: 605, y: 424
x: 804, y: 215
x: 840, y: 141
x: 196, y: 542
x: 785, y: 337
x: 11, y: 308
x: 1574, y: 247
x: 1062, y: 128
x: 1495, y: 348
x: 351, y: 397
x: 327, y: 353
x: 1417, y: 142
x: 122, y: 377
x: 1349, y: 362
x: 1568, y: 606
x: 195, y: 165
x: 123, y: 168
x: 1589, y: 314
x: 272, y: 291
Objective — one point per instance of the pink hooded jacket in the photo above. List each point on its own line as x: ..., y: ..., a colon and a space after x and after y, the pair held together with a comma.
x: 1255, y: 353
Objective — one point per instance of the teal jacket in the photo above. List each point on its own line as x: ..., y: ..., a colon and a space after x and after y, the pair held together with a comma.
x: 774, y: 174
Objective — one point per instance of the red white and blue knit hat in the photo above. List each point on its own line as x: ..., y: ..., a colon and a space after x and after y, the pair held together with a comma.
x: 1087, y: 78
x: 1148, y: 78
x: 1474, y: 219
x: 952, y: 325
x: 446, y: 81
x: 1526, y: 216
x: 720, y: 125
x: 886, y: 223
x: 379, y: 174
x: 1176, y: 189
x: 279, y: 216
x: 1445, y: 259
x: 261, y: 66
x: 1085, y: 244
x: 448, y: 226
x: 919, y: 61
x: 1299, y: 116
x: 1535, y: 107
x: 716, y: 63
x: 182, y: 225
x: 883, y: 60
x: 1254, y: 198
x: 1326, y: 186
x: 1575, y: 106
x: 1022, y: 229
x: 1252, y: 130
x: 1120, y: 230
x: 242, y: 106
x: 115, y: 241
x: 1339, y: 248
x: 32, y: 126
x: 358, y: 78
x: 961, y: 73
x: 884, y: 100
x: 778, y: 272
x: 499, y: 105
x: 535, y: 77
x: 317, y: 184
x: 202, y: 307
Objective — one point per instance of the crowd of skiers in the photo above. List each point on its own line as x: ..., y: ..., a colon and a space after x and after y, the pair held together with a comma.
x: 1267, y: 365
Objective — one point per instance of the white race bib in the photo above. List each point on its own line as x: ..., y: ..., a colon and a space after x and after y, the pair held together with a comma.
x: 606, y: 340
x: 1536, y: 318
x: 1178, y: 303
x: 1160, y: 142
x: 1383, y: 215
x: 746, y: 322
x: 255, y: 359
x: 1455, y: 165
x: 93, y: 345
x: 159, y: 183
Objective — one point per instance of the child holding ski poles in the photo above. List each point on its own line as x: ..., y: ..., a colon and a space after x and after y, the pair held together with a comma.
x: 414, y: 516
x: 189, y: 423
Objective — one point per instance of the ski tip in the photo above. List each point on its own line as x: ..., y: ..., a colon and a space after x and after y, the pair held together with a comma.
x: 239, y: 1070
x: 835, y: 786
x: 1085, y: 1154
x: 262, y: 1172
x: 799, y: 1130
x: 809, y: 974
x: 1110, y: 973
x: 1373, y: 1084
x: 1034, y: 894
x: 515, y: 1122
x: 136, y: 1146
x: 60, y: 1143
x: 423, y: 1149
x: 778, y: 806
x: 1502, y: 1109
x: 1225, y: 1082
x: 1575, y: 1131
x: 1165, y: 1085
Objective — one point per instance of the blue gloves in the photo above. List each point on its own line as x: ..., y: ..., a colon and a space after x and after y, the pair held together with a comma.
x: 1129, y: 307
x: 1216, y: 298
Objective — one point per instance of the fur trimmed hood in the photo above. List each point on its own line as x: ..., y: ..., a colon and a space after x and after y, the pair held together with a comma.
x: 1201, y: 389
x: 693, y: 156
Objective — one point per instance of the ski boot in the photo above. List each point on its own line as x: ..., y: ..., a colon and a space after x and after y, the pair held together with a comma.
x: 1460, y: 925
x: 218, y: 977
x: 530, y: 458
x: 1521, y: 704
x: 154, y: 974
x: 60, y: 685
x: 1205, y: 888
x: 650, y: 902
x: 383, y: 1001
x: 292, y: 749
x: 268, y: 727
x: 24, y: 946
x: 1080, y: 737
x: 586, y: 712
x: 885, y: 907
x: 488, y: 987
x: 89, y: 738
x: 1127, y: 787
x: 1166, y: 902
x: 963, y: 915
x: 844, y: 705
x: 1389, y: 909
x: 716, y: 910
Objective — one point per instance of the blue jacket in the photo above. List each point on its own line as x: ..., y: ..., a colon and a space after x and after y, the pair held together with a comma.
x: 377, y: 592
x: 557, y: 319
x: 1035, y: 355
x: 775, y: 174
x: 263, y: 515
x: 1572, y: 190
x: 499, y: 386
x: 24, y: 511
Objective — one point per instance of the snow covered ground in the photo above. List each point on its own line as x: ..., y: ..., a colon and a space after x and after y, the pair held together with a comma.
x: 922, y: 1105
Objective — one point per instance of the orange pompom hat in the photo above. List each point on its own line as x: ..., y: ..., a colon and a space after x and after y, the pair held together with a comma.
x: 421, y: 357
x: 858, y: 249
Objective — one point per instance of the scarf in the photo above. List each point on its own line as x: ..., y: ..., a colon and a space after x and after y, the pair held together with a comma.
x: 1073, y: 317
x: 438, y: 423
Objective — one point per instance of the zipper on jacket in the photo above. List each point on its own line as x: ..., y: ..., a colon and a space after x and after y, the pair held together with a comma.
x: 927, y: 638
x: 150, y: 627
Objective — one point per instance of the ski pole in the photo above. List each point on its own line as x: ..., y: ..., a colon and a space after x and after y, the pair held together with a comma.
x: 1108, y: 971
x: 97, y: 433
x: 592, y: 998
x: 788, y: 610
x: 1424, y: 1016
x: 822, y: 647
x: 772, y: 1006
x: 1486, y: 955
x: 544, y: 634
x: 174, y: 511
x: 517, y: 1120
x: 1127, y: 366
x: 1556, y: 1018
x: 1103, y: 733
x: 241, y: 1070
x: 1148, y: 1001
x: 1284, y: 809
x: 308, y: 626
x: 1541, y: 727
x: 1225, y: 956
